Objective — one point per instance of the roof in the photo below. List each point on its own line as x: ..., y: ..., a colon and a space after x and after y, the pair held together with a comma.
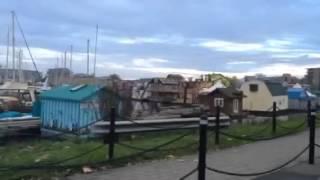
x: 276, y: 88
x: 218, y: 84
x: 72, y: 93
x: 228, y: 92
x: 165, y: 81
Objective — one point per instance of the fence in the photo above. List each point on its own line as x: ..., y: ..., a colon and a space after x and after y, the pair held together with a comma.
x: 202, y: 167
x: 114, y: 128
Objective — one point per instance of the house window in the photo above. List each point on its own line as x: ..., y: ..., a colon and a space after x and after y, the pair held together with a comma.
x: 218, y: 102
x: 253, y: 87
x: 236, y: 105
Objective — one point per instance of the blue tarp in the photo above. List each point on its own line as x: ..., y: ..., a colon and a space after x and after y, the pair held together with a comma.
x: 10, y: 114
x: 299, y: 93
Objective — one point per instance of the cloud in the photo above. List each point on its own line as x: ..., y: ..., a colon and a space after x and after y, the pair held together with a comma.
x: 220, y: 45
x: 156, y: 39
x: 148, y: 62
x: 280, y: 68
x: 241, y: 63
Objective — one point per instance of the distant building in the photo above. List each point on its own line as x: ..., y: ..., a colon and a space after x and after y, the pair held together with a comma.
x: 260, y: 95
x: 313, y: 78
x: 165, y: 89
x: 299, y: 97
x: 58, y: 76
x: 27, y: 76
x: 82, y: 79
x: 229, y: 99
x: 285, y: 79
x: 192, y: 89
x: 67, y: 108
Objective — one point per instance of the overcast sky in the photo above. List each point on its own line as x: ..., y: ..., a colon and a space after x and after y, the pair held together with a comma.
x: 140, y: 38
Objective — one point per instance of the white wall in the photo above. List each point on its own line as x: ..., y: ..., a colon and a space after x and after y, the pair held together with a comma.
x: 258, y: 101
x: 282, y: 101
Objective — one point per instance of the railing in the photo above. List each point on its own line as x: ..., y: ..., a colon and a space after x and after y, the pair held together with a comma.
x: 111, y: 128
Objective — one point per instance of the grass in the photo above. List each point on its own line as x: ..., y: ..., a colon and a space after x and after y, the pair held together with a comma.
x: 41, y: 151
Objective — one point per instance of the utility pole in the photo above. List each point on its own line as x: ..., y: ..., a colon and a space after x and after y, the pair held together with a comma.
x: 88, y: 47
x: 13, y: 48
x: 95, y: 51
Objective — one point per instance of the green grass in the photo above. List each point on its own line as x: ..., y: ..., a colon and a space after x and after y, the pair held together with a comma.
x: 42, y: 151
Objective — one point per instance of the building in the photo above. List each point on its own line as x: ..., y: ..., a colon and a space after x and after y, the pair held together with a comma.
x: 23, y: 76
x: 229, y: 99
x: 299, y: 97
x: 82, y: 79
x: 260, y: 95
x: 58, y: 76
x: 192, y: 89
x: 313, y: 78
x: 67, y: 108
x: 165, y: 89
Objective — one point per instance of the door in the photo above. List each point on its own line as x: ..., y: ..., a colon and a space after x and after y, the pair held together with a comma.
x: 236, y: 105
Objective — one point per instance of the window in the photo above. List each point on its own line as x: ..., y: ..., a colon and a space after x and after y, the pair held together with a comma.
x: 218, y: 102
x: 253, y: 87
x: 236, y: 105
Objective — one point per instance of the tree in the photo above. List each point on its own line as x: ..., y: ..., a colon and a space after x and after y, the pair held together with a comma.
x: 115, y: 77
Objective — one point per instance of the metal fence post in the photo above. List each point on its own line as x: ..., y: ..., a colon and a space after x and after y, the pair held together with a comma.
x: 312, y: 136
x: 274, y: 117
x: 308, y: 112
x: 112, y: 132
x: 202, y: 148
x: 217, y: 126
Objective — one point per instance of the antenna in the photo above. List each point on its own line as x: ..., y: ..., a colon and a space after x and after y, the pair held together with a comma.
x: 88, y: 46
x: 95, y: 51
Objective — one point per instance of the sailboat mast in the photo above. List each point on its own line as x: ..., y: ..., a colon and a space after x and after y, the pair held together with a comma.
x: 71, y: 49
x: 13, y: 49
x: 95, y: 51
x: 7, y: 57
x: 21, y: 79
x: 88, y: 47
x: 65, y: 59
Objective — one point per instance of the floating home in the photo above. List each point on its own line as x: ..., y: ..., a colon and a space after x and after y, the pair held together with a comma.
x: 70, y: 108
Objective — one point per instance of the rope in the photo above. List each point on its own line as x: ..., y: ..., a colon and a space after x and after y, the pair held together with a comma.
x: 290, y: 128
x: 317, y: 145
x: 188, y: 174
x: 257, y: 139
x: 27, y: 45
x: 167, y: 149
x: 55, y: 164
x: 259, y: 173
x: 162, y: 145
x: 257, y: 133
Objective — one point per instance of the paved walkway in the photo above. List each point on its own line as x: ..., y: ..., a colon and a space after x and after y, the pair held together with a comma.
x: 302, y: 171
x: 255, y: 157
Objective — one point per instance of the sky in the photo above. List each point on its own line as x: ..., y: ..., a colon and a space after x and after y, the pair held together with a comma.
x: 140, y: 38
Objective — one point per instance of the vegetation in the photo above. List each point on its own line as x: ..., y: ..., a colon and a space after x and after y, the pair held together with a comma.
x: 44, y: 151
